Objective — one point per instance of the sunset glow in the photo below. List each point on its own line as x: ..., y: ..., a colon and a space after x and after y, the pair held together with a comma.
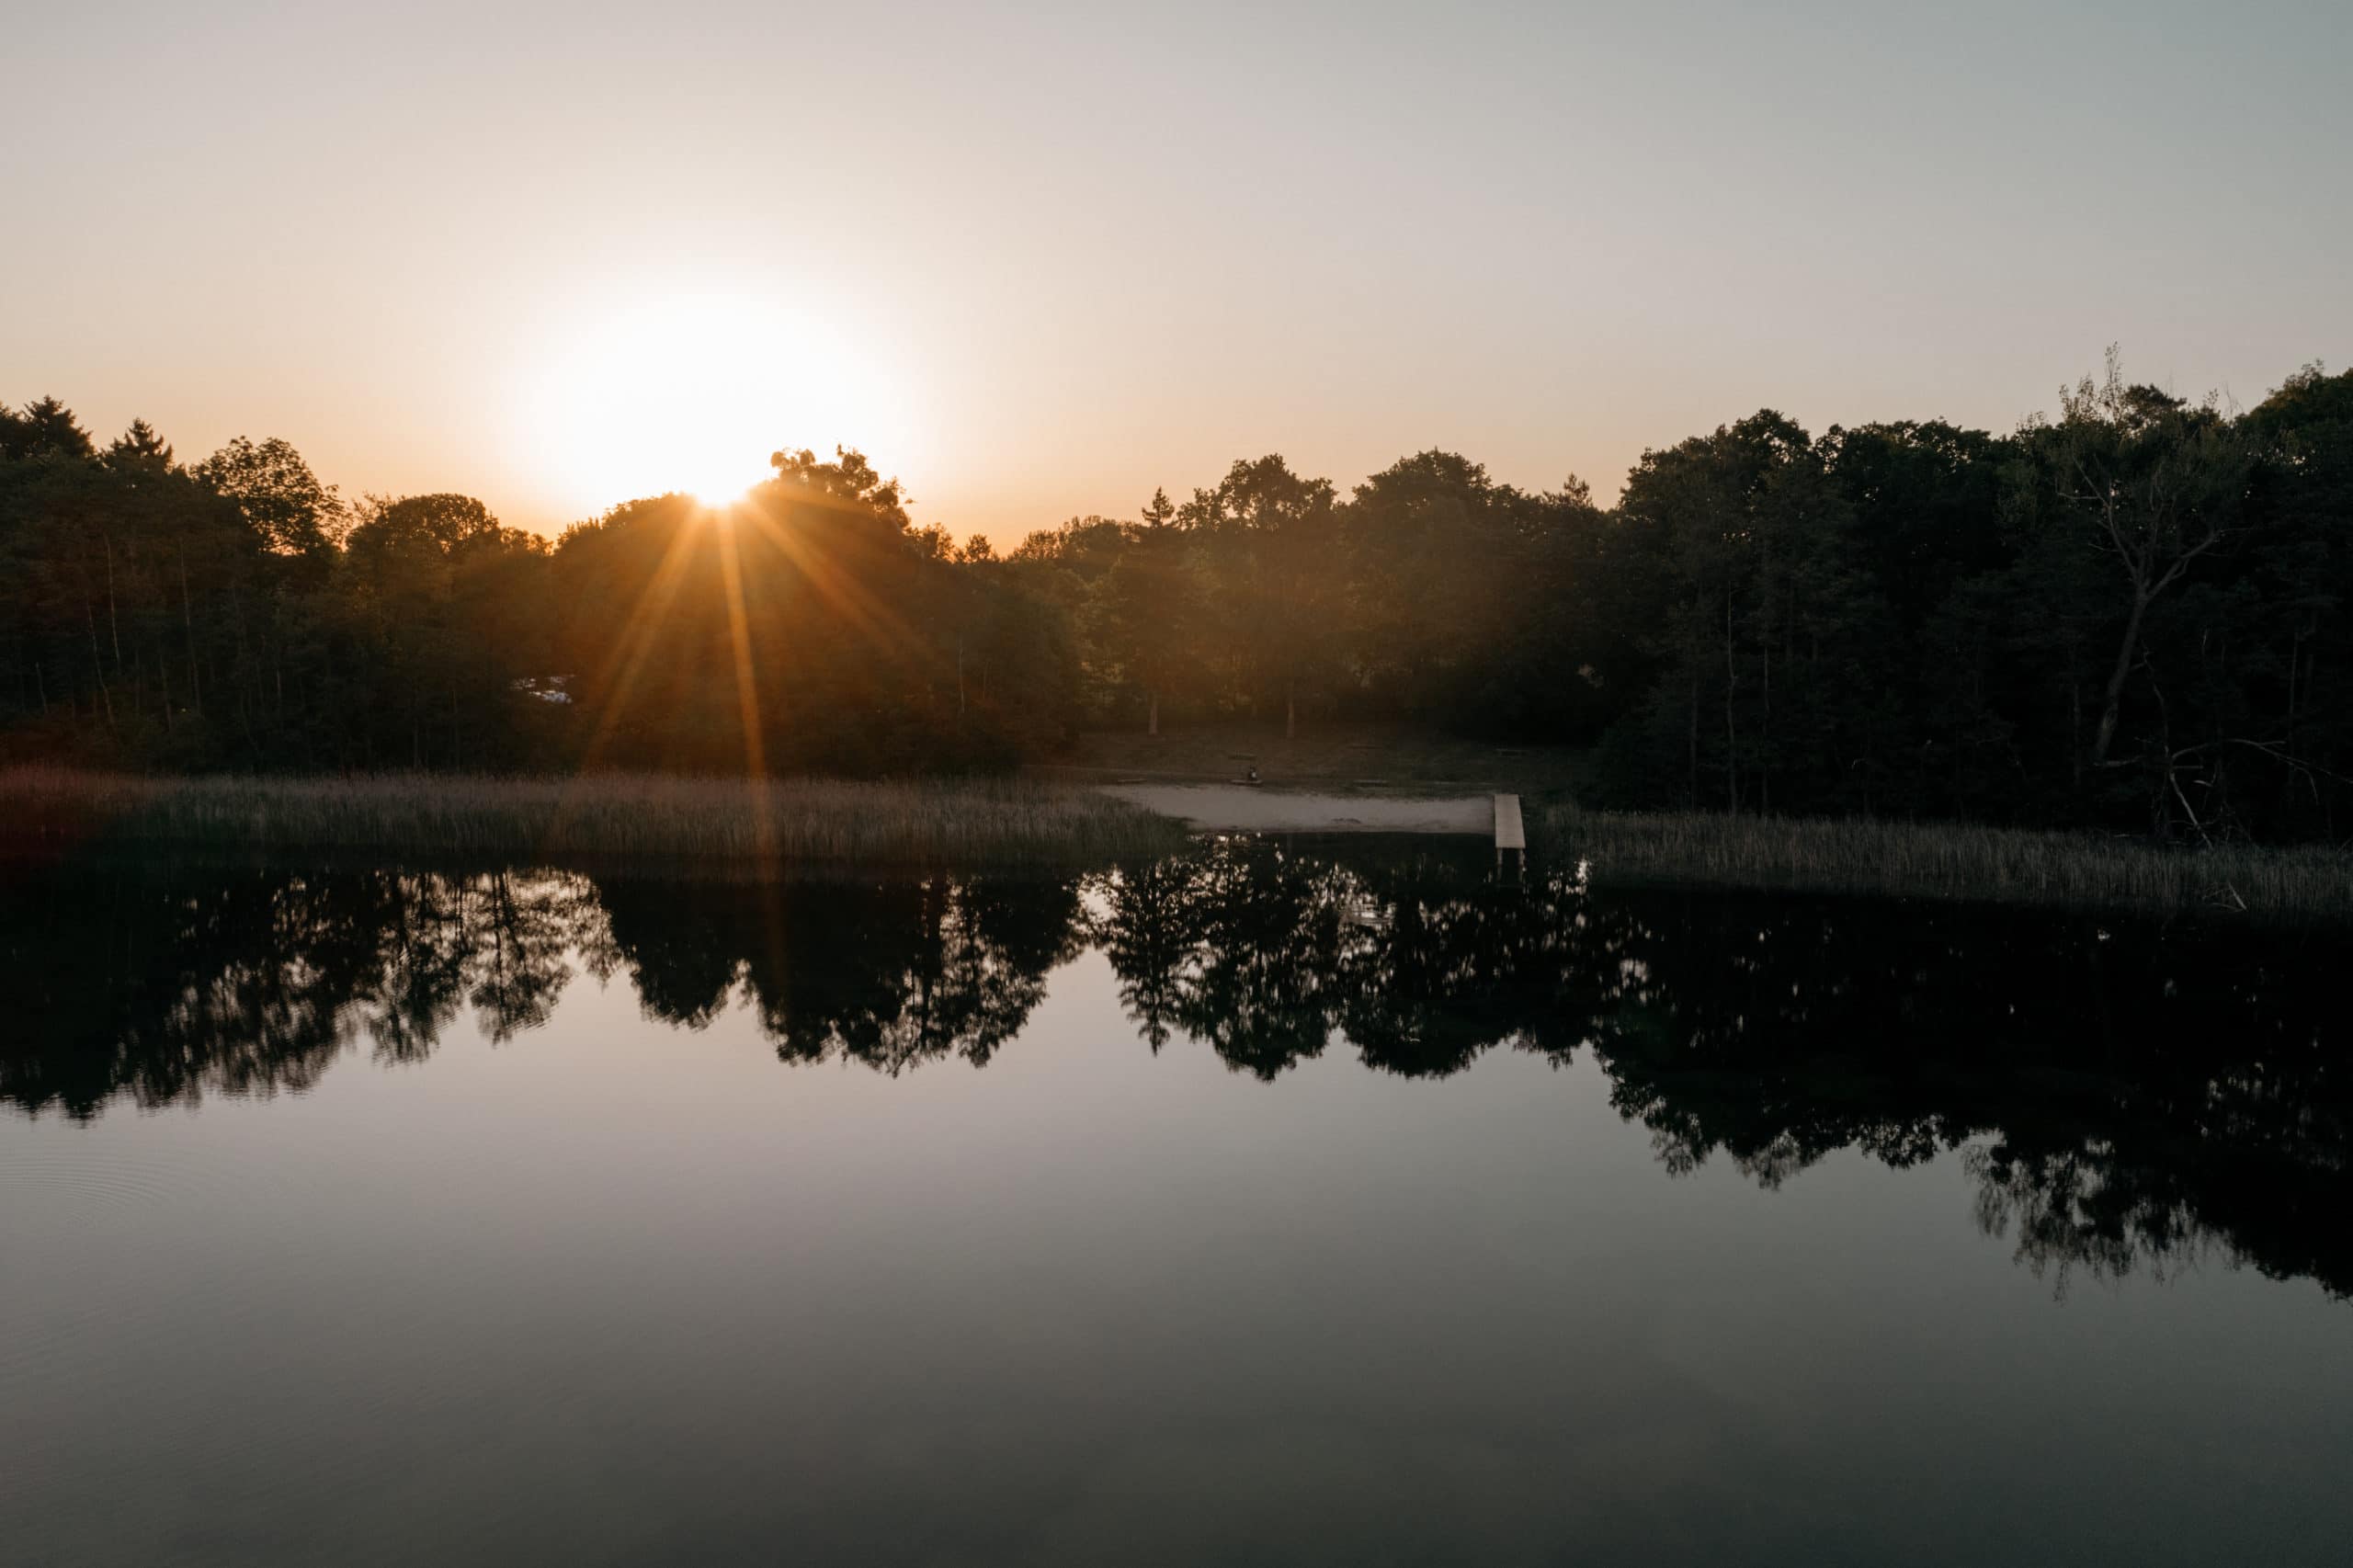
x: 689, y: 392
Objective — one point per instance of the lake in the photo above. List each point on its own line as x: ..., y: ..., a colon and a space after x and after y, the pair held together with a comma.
x: 1281, y: 1202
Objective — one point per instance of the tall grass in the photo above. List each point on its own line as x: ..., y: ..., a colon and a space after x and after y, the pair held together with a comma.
x: 1947, y: 861
x: 711, y: 821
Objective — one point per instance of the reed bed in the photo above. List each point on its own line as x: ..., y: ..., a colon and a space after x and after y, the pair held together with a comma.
x: 710, y: 822
x: 1948, y: 861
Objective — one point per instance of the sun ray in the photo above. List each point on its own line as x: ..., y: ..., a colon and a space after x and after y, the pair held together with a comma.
x: 867, y: 615
x: 631, y: 649
x: 747, y: 696
x: 635, y: 643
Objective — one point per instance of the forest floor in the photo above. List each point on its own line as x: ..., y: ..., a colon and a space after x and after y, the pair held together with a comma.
x: 1330, y: 758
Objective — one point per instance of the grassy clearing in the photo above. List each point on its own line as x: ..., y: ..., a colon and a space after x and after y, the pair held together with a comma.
x: 709, y: 820
x: 1923, y: 860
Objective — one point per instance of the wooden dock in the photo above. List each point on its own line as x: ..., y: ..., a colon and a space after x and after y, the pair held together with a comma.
x: 1509, y: 832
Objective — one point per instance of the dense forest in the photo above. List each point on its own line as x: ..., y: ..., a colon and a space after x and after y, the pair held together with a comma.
x: 2131, y: 613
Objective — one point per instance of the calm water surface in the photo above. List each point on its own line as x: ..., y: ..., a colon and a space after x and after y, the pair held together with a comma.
x: 1279, y: 1203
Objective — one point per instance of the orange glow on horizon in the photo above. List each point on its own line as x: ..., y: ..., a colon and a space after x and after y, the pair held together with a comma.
x: 686, y: 390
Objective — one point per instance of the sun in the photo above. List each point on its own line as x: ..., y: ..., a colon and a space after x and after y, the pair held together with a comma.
x: 690, y: 390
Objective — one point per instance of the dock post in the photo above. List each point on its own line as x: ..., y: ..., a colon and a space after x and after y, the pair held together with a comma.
x: 1509, y: 832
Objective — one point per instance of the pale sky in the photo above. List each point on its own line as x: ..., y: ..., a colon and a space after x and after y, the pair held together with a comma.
x: 1038, y: 259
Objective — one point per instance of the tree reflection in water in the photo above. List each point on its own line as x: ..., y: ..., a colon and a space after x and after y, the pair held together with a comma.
x: 159, y: 988
x: 2125, y: 1097
x: 890, y: 973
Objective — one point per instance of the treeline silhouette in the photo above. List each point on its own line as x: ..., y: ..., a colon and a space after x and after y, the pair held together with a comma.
x: 2129, y: 1095
x: 238, y: 613
x: 2133, y: 613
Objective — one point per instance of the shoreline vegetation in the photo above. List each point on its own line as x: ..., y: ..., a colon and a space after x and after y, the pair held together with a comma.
x: 1947, y: 861
x: 702, y: 823
x: 704, y: 826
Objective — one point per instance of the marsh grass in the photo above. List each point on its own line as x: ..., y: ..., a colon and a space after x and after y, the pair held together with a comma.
x: 1948, y: 861
x: 711, y: 822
